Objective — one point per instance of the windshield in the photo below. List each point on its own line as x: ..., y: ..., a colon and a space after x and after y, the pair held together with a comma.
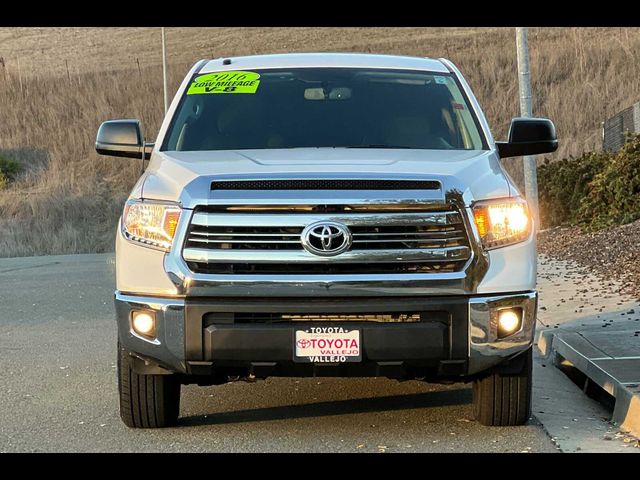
x: 323, y: 107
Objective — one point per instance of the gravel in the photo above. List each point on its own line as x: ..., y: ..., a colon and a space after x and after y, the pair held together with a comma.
x: 612, y: 254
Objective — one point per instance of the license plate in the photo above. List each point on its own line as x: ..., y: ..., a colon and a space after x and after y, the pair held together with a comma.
x: 327, y: 345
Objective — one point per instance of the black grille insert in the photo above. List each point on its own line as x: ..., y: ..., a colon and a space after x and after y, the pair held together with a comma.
x: 323, y: 268
x: 402, y: 317
x: 326, y: 184
x: 326, y: 318
x: 328, y: 208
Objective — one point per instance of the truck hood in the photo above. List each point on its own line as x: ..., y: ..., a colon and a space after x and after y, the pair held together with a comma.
x: 186, y: 177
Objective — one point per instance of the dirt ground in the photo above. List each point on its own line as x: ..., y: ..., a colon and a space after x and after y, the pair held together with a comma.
x: 610, y: 254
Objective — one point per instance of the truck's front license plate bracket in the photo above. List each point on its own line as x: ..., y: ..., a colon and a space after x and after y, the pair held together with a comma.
x: 327, y: 345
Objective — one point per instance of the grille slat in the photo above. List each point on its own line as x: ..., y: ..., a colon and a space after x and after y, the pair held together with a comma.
x: 415, y: 234
x: 243, y: 241
x: 281, y: 221
x: 236, y: 234
x: 407, y: 240
x: 256, y: 244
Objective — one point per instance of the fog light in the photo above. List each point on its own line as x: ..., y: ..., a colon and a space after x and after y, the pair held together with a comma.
x: 144, y: 323
x: 509, y: 321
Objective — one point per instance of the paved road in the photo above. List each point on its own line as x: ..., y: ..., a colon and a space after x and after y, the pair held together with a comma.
x: 58, y: 388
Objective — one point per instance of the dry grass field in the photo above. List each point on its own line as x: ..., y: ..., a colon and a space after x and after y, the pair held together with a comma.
x: 58, y: 84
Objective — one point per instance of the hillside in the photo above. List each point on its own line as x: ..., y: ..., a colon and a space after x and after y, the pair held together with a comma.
x: 58, y: 84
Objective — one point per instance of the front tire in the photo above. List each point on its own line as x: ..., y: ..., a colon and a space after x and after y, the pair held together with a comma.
x: 504, y: 399
x: 146, y: 401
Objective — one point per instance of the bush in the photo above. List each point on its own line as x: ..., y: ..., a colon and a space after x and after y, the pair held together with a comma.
x: 613, y: 196
x: 8, y: 170
x: 594, y: 191
x: 563, y: 185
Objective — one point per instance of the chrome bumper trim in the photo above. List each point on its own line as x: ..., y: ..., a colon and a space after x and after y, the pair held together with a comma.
x: 485, y: 349
x: 168, y: 346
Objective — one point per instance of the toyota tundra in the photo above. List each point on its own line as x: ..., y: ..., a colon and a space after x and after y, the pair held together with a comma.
x: 341, y: 215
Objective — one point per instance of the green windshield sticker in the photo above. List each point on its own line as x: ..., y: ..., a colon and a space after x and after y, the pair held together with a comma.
x: 225, y: 82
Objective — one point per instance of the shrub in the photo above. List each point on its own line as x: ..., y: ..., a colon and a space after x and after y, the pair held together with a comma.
x: 563, y: 185
x: 613, y: 196
x: 595, y: 190
x: 8, y: 170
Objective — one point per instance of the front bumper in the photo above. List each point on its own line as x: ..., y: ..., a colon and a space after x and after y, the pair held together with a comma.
x: 456, y: 337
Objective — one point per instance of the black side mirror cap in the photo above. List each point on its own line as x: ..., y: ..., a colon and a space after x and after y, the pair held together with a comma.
x: 121, y: 138
x: 529, y: 136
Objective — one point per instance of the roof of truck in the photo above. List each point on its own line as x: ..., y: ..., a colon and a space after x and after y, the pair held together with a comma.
x: 300, y: 60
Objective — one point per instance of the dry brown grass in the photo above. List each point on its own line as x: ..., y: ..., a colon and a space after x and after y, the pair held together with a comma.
x: 70, y: 202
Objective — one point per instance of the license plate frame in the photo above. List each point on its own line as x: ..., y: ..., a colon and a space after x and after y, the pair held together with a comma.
x: 330, y: 345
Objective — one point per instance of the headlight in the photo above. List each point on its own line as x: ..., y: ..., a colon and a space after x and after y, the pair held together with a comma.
x: 151, y: 224
x: 502, y: 222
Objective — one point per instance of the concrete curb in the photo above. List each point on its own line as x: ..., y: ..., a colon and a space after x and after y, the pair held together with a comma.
x: 554, y: 345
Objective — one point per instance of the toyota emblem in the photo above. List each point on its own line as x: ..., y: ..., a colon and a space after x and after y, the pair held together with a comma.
x: 326, y: 238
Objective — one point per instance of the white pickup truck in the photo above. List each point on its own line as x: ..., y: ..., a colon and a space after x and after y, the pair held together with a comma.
x: 325, y: 215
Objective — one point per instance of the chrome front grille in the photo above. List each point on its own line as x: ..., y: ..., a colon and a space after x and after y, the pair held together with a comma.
x: 259, y: 243
x: 408, y: 236
x: 244, y: 238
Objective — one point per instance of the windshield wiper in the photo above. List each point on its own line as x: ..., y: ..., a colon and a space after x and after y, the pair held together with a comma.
x: 375, y: 145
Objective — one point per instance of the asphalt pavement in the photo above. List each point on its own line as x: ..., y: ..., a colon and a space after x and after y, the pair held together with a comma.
x: 58, y: 388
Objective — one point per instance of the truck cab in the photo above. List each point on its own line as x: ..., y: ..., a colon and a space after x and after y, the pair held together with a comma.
x: 325, y: 215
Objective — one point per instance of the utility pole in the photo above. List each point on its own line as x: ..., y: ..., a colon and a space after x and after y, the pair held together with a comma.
x: 164, y: 72
x: 529, y: 161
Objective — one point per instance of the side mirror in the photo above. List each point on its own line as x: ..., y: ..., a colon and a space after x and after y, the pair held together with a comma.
x: 121, y: 138
x: 529, y: 136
